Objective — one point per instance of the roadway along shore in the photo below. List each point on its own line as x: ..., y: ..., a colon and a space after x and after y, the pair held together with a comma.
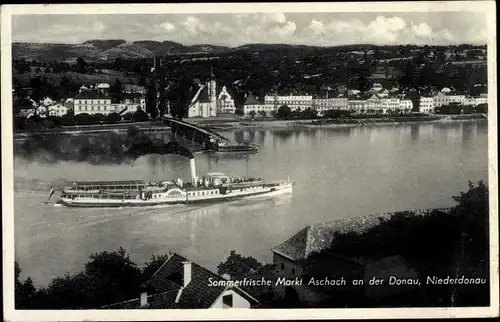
x: 232, y: 123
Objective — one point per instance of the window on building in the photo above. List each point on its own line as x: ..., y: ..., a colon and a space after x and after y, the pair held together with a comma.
x: 282, y: 265
x: 293, y: 271
x: 227, y: 300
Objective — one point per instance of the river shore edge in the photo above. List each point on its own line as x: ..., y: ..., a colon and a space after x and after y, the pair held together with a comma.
x: 241, y: 124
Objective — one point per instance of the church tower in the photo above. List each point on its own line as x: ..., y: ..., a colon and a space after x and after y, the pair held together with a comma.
x: 212, y: 84
x: 212, y: 92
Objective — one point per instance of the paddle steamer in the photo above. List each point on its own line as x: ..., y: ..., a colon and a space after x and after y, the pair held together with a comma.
x: 214, y: 187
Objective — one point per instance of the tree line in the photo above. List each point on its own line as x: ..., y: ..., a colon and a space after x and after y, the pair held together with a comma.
x: 109, y: 277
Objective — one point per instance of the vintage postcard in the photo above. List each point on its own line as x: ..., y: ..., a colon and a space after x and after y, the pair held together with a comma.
x: 249, y: 161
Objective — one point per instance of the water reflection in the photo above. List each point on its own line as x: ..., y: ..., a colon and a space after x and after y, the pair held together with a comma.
x: 414, y: 131
x: 239, y: 136
x: 251, y: 135
x: 467, y: 133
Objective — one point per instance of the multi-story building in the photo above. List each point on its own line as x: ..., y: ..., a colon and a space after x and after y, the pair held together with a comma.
x: 441, y: 99
x: 373, y: 104
x: 389, y: 104
x: 92, y: 102
x: 357, y: 105
x: 128, y: 106
x: 134, y: 89
x: 474, y: 101
x: 426, y: 104
x: 253, y: 104
x: 332, y: 103
x: 57, y: 110
x: 142, y: 103
x: 294, y: 102
x: 405, y: 105
x: 456, y: 99
x: 482, y: 99
x: 225, y: 102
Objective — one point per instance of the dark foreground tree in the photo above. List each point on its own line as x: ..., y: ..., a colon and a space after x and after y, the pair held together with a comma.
x: 23, y: 291
x: 109, y: 277
x: 238, y: 266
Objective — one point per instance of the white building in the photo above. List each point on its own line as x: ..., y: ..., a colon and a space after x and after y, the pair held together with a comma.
x: 474, y: 101
x: 142, y: 103
x: 446, y: 90
x: 225, y: 102
x: 389, y: 104
x: 332, y: 103
x: 406, y: 105
x: 57, y: 110
x: 294, y: 102
x: 456, y: 99
x: 47, y: 101
x: 93, y: 102
x: 126, y: 108
x: 357, y: 105
x: 253, y: 104
x: 204, y: 103
x: 441, y: 99
x: 103, y: 86
x: 426, y: 104
x: 373, y: 104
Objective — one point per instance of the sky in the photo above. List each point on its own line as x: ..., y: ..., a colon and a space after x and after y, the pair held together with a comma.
x: 235, y: 29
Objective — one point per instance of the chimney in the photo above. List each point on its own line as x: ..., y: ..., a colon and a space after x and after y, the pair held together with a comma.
x: 193, y: 171
x: 144, y: 299
x: 186, y: 275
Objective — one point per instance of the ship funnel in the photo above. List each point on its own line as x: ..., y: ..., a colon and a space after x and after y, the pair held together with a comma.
x: 193, y: 171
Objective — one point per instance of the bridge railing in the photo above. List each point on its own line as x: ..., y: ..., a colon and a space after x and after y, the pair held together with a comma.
x: 196, y: 127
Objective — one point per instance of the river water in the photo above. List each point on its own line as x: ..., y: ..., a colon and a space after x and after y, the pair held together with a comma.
x: 339, y: 173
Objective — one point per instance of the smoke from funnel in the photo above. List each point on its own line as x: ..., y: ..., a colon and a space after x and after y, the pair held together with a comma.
x: 192, y: 164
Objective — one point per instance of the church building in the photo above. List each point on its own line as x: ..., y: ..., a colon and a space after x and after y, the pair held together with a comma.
x: 210, y: 100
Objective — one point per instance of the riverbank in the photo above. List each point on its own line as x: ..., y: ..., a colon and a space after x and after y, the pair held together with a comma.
x: 237, y: 123
x: 333, y: 123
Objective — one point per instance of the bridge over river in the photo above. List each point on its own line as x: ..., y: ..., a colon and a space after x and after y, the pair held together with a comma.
x: 194, y: 132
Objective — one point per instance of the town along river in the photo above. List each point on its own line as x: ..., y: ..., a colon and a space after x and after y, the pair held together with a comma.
x: 339, y: 173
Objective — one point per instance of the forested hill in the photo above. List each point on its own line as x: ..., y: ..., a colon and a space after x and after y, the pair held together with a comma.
x: 110, y: 49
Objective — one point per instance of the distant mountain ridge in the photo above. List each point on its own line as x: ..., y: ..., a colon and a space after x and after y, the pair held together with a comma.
x: 109, y: 49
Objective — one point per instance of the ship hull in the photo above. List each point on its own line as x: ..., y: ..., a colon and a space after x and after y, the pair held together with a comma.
x: 106, y: 203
